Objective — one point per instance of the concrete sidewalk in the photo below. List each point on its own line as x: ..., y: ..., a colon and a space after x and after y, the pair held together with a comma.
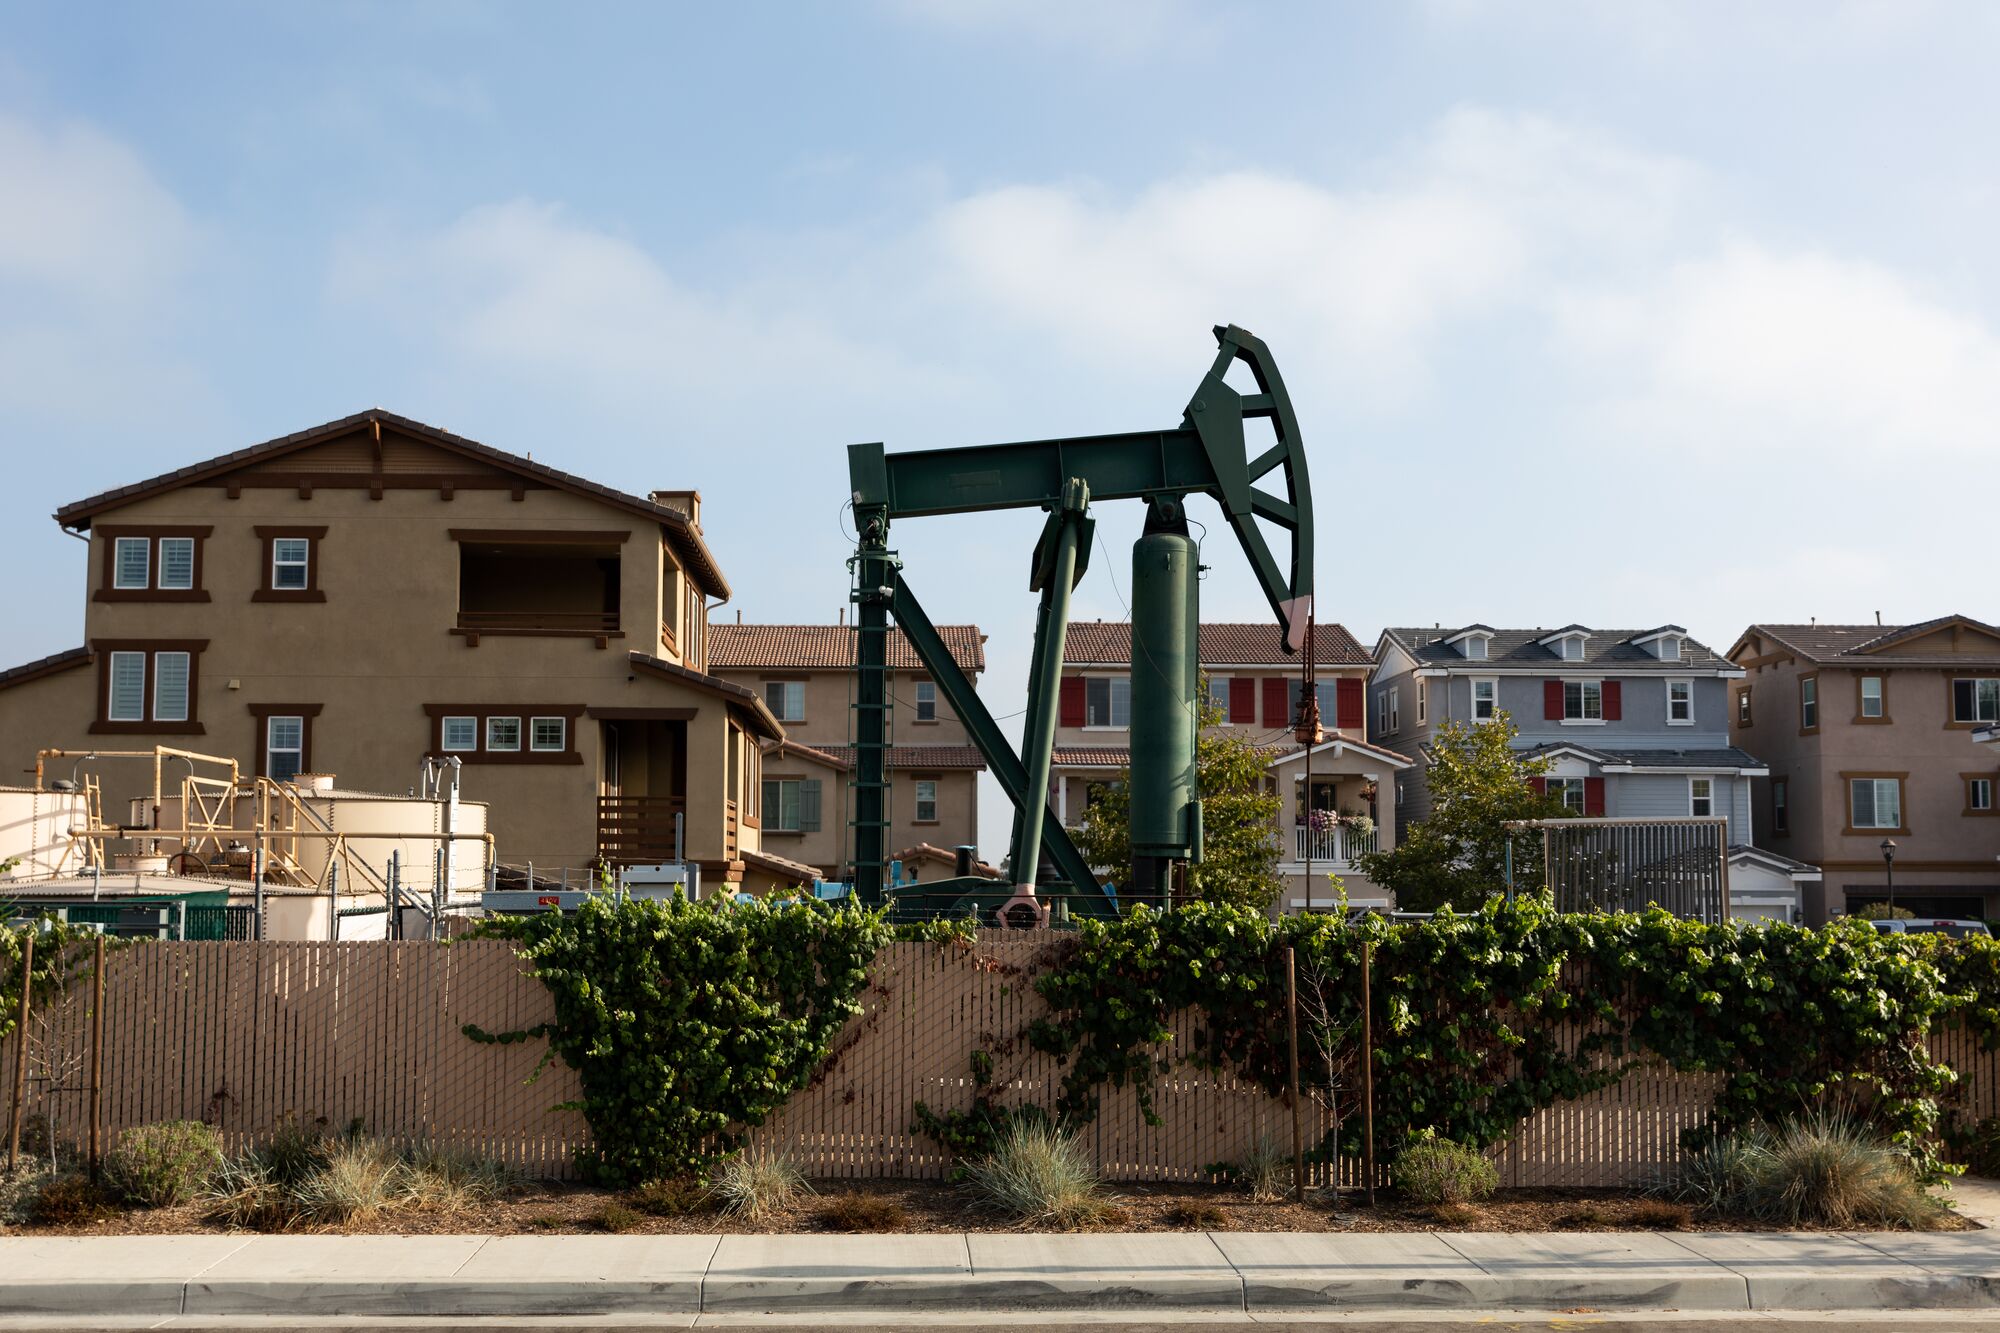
x: 162, y: 1277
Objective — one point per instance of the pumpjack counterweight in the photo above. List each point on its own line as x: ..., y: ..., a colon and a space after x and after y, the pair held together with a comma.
x: 1207, y: 454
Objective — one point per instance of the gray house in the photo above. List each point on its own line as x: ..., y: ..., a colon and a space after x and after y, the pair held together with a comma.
x: 1635, y: 723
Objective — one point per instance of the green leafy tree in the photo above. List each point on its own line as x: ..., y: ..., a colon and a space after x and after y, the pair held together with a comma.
x: 1239, y: 864
x: 1458, y: 856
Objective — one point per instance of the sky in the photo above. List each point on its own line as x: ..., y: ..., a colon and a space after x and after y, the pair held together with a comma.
x: 1621, y: 314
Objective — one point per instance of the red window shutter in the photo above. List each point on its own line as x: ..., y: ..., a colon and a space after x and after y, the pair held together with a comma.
x: 1350, y: 705
x: 1071, y: 713
x: 1277, y: 702
x: 1552, y: 700
x: 1243, y: 701
x: 1593, y: 796
x: 1540, y: 786
x: 1614, y: 701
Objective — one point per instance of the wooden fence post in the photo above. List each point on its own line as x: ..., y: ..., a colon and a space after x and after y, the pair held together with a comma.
x: 97, y: 1059
x: 21, y: 1048
x: 1368, y: 1070
x: 1298, y: 1109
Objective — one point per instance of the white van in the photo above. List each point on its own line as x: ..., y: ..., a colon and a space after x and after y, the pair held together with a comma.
x: 1932, y: 925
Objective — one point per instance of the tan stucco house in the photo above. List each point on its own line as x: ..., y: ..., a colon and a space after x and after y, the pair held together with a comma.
x: 1871, y: 735
x: 1254, y: 685
x: 355, y: 597
x: 804, y: 675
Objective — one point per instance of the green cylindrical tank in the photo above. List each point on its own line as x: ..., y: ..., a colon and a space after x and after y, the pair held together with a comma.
x: 1165, y: 674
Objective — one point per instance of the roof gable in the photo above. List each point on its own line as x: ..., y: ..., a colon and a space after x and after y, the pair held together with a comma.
x: 382, y: 444
x: 1433, y: 646
x: 1942, y: 641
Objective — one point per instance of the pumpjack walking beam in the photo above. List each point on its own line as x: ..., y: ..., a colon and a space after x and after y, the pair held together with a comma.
x: 1206, y: 454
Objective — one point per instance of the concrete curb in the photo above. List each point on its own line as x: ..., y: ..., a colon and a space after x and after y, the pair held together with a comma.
x: 1173, y: 1274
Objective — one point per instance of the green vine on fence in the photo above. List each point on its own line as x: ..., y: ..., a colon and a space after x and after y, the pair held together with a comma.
x: 61, y: 956
x: 686, y: 1022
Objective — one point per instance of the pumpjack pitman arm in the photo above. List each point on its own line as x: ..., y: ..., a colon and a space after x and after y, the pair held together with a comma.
x: 1208, y: 453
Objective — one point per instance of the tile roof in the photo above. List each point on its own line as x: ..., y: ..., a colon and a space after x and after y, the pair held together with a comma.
x: 784, y: 866
x: 818, y: 647
x: 1109, y: 642
x: 44, y: 666
x: 918, y: 756
x: 1522, y: 647
x: 681, y: 534
x: 1727, y: 756
x: 747, y: 699
x: 1868, y: 643
x: 812, y: 752
x: 1092, y: 756
x: 929, y: 851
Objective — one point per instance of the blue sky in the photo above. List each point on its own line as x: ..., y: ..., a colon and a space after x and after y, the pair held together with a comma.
x: 1612, y: 313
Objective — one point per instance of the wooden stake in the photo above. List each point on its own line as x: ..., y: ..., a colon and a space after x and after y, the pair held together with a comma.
x: 1298, y: 1109
x: 1368, y: 1069
x: 97, y: 1059
x: 21, y: 1048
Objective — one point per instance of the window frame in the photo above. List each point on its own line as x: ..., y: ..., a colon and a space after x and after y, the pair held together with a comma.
x: 1744, y: 713
x: 1686, y: 683
x: 160, y: 658
x: 1952, y: 719
x: 501, y: 719
x: 918, y: 702
x: 1861, y: 713
x: 1848, y: 781
x: 471, y: 720
x: 1476, y: 648
x: 1423, y: 701
x: 1809, y: 704
x: 785, y: 686
x: 917, y: 786
x: 144, y: 547
x: 1110, y: 684
x: 108, y: 651
x: 1218, y: 698
x: 1395, y: 697
x: 535, y: 745
x: 1972, y: 782
x: 314, y: 538
x: 110, y: 589
x: 1560, y: 788
x: 1583, y: 686
x: 1781, y: 807
x: 481, y: 716
x: 1694, y: 801
x: 1494, y: 683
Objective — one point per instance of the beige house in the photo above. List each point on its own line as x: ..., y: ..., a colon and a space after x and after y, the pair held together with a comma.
x: 804, y: 675
x: 358, y: 596
x: 1333, y: 809
x: 1870, y: 735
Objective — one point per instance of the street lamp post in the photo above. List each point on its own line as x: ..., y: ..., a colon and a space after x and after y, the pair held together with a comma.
x: 1889, y: 871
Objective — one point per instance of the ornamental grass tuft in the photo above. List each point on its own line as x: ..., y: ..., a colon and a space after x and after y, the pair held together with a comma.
x: 754, y: 1186
x: 1039, y: 1174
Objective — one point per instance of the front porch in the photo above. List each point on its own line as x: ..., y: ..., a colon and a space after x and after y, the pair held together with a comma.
x: 1336, y: 804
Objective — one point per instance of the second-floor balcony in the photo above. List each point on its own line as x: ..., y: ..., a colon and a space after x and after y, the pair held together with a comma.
x: 1338, y: 844
x: 548, y: 585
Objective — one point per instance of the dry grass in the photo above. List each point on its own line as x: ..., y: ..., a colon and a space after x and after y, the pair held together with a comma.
x: 617, y: 1218
x: 357, y: 1181
x: 1039, y: 1175
x: 1267, y: 1168
x: 855, y: 1211
x: 1660, y: 1215
x: 752, y: 1185
x: 1455, y: 1215
x: 1198, y: 1217
x: 1817, y: 1171
x: 70, y: 1201
x: 680, y: 1196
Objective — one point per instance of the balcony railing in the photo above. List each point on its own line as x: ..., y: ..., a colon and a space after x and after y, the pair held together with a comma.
x: 637, y: 830
x: 599, y: 625
x: 1337, y: 844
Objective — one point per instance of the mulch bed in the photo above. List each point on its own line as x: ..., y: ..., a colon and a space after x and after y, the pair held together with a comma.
x: 549, y: 1207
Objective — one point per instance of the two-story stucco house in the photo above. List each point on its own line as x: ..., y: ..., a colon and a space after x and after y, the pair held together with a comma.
x: 805, y: 676
x: 1872, y: 735
x: 1254, y: 686
x: 355, y: 597
x: 1634, y: 722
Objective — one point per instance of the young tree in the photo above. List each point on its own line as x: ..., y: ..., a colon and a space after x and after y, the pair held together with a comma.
x: 1458, y: 856
x: 1239, y: 855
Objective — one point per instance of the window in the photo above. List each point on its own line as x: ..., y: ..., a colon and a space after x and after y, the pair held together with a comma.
x: 170, y: 687
x: 786, y: 699
x: 1381, y: 711
x: 1107, y: 702
x: 1569, y: 791
x: 1475, y: 648
x: 1670, y: 649
x: 548, y: 733
x: 503, y: 733
x: 291, y: 565
x: 1395, y: 708
x: 1701, y: 797
x: 177, y: 563
x: 1583, y: 700
x: 290, y: 557
x: 926, y: 801
x: 1324, y: 691
x: 1871, y: 704
x: 1570, y: 649
x: 1978, y: 794
x: 1809, y: 703
x: 133, y: 568
x: 1423, y: 702
x: 128, y: 688
x: 791, y: 805
x: 1743, y: 707
x: 1218, y: 696
x: 513, y: 733
x: 461, y: 733
x: 1975, y: 700
x: 1485, y: 698
x: 284, y: 747
x: 926, y: 701
x: 1781, y: 807
x: 1876, y: 803
x: 1680, y: 702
